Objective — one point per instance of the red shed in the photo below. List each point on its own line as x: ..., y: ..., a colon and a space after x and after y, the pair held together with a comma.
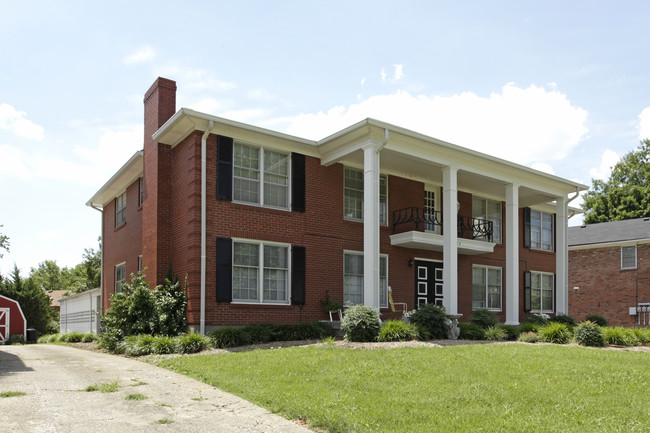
x: 12, y: 319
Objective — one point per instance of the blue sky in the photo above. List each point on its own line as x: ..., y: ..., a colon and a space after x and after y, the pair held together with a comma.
x: 559, y: 86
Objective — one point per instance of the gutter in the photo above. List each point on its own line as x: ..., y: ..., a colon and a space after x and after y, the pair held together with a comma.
x: 101, y: 273
x: 570, y: 200
x: 204, y: 140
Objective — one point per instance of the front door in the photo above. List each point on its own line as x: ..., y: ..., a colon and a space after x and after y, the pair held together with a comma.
x: 428, y: 282
x: 4, y: 324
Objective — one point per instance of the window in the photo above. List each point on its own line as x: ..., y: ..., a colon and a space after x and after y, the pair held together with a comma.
x: 139, y: 263
x: 260, y: 272
x: 353, y: 195
x: 541, y: 292
x: 141, y: 195
x: 489, y: 210
x: 628, y: 257
x: 120, y: 210
x: 353, y: 279
x: 486, y: 288
x: 541, y: 230
x: 260, y: 176
x: 120, y: 277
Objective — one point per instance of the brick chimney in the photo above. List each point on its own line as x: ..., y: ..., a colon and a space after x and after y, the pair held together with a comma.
x: 159, y: 106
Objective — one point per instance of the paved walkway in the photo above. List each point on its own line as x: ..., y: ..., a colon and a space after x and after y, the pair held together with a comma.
x: 54, y: 379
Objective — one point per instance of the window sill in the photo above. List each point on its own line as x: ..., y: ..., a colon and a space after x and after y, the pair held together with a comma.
x: 261, y: 206
x: 120, y: 226
x: 261, y: 304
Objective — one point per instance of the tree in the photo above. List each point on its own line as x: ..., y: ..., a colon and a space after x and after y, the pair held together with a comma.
x: 626, y: 194
x: 48, y: 276
x: 4, y: 243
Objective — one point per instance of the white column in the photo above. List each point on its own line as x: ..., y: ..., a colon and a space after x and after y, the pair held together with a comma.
x: 561, y: 256
x: 371, y: 226
x: 450, y: 238
x: 512, y: 254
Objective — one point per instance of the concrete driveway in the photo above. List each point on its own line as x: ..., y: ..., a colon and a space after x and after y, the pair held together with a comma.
x: 54, y: 379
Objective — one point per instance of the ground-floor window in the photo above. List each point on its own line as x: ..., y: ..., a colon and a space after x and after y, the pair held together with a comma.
x: 541, y: 292
x: 486, y: 287
x: 120, y: 277
x: 353, y: 279
x: 260, y: 272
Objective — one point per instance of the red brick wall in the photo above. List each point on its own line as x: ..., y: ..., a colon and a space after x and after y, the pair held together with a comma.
x: 603, y: 287
x: 123, y: 243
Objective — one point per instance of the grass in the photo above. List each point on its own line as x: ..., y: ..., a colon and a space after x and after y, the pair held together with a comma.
x: 164, y: 421
x: 103, y: 387
x: 135, y: 397
x: 7, y: 394
x: 513, y: 388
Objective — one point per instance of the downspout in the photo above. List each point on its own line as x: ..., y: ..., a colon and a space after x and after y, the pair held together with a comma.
x: 385, y: 142
x: 570, y: 200
x: 101, y: 272
x: 204, y: 140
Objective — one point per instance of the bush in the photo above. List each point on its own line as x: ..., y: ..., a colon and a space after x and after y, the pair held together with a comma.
x: 432, y: 318
x: 484, y: 318
x: 619, y: 336
x: 528, y: 337
x: 191, y: 343
x: 259, y: 333
x: 138, y: 345
x: 563, y: 318
x: 512, y: 331
x: 110, y: 342
x: 471, y: 331
x: 537, y: 319
x: 589, y: 334
x: 396, y: 330
x: 15, y: 339
x: 495, y: 333
x: 223, y: 338
x: 529, y: 327
x: 164, y: 345
x: 643, y: 335
x: 71, y: 337
x: 597, y: 319
x: 88, y: 338
x: 555, y: 332
x: 360, y: 323
x: 301, y: 331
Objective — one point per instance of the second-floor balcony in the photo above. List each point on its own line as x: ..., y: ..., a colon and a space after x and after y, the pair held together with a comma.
x: 416, y: 227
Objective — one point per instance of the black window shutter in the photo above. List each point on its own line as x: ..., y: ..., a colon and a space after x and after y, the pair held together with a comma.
x: 298, y: 182
x: 527, y: 293
x: 298, y: 259
x: 526, y: 227
x: 224, y: 167
x: 224, y: 270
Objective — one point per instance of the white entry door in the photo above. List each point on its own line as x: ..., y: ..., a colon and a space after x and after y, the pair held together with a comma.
x: 4, y: 324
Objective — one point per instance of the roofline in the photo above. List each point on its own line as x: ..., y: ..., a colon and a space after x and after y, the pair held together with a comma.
x: 118, y: 173
x: 618, y: 243
x: 77, y: 295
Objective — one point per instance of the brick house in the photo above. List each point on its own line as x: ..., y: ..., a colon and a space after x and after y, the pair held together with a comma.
x: 609, y: 267
x: 264, y: 226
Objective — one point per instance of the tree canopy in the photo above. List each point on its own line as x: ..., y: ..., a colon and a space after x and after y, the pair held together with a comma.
x: 626, y: 194
x: 32, y: 299
x: 4, y: 243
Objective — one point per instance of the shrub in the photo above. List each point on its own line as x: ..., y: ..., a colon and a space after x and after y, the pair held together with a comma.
x: 138, y: 345
x: 259, y: 333
x: 360, y: 323
x: 71, y: 337
x: 396, y: 330
x: 110, y: 342
x: 529, y: 327
x: 495, y: 333
x: 589, y: 334
x: 484, y: 318
x: 555, y: 332
x: 528, y: 337
x: 191, y: 343
x: 299, y: 331
x: 597, y: 319
x: 619, y: 336
x: 537, y: 319
x: 88, y: 338
x: 15, y: 339
x: 643, y: 335
x: 223, y: 338
x: 423, y: 333
x: 432, y: 318
x: 512, y: 331
x: 471, y: 331
x: 563, y: 318
x: 163, y: 345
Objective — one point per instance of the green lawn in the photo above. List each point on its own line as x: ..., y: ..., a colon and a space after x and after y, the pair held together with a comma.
x: 490, y: 388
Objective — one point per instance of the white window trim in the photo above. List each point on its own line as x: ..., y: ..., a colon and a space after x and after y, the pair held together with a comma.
x: 540, y: 292
x: 115, y: 286
x: 541, y: 217
x: 385, y: 176
x: 486, y: 267
x: 360, y: 253
x: 486, y: 216
x: 261, y: 179
x: 260, y: 271
x: 635, y: 257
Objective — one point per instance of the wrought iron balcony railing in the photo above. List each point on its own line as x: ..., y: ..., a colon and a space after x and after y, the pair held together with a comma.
x: 473, y: 228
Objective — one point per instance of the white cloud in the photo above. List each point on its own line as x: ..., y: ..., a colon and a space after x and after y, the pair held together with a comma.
x: 521, y: 125
x: 543, y: 167
x: 399, y: 72
x: 193, y: 79
x: 644, y: 124
x: 144, y: 54
x: 17, y: 122
x: 383, y: 75
x: 246, y: 116
x: 115, y: 147
x: 13, y: 161
x: 363, y: 81
x: 608, y: 160
x: 262, y: 95
x: 206, y: 105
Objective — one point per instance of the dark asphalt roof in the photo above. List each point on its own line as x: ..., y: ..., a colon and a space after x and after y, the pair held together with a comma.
x: 614, y: 231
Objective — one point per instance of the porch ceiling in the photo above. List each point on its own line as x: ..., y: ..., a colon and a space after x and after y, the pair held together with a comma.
x: 433, y: 242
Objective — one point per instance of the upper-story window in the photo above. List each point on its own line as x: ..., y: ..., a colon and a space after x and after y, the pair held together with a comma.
x: 141, y: 192
x: 489, y: 210
x: 120, y: 277
x: 353, y: 195
x: 260, y: 176
x: 541, y: 230
x: 120, y: 210
x: 628, y: 257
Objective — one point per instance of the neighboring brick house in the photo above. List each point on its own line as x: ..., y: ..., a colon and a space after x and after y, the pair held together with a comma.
x: 609, y: 266
x: 265, y: 226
